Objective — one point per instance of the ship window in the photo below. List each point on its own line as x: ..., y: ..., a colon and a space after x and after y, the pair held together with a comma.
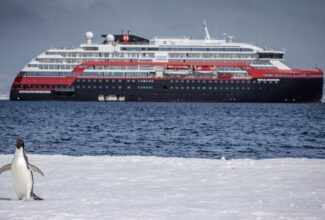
x: 113, y: 80
x: 187, y: 87
x: 100, y: 80
x: 221, y: 87
x: 129, y: 87
x: 187, y: 81
x: 120, y: 87
x: 89, y: 87
x: 99, y: 87
x: 193, y: 87
x: 198, y: 87
x: 210, y: 87
x: 83, y: 87
x: 270, y: 55
x: 106, y: 87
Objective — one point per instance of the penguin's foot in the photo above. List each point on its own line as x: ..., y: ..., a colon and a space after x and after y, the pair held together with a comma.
x: 35, y: 197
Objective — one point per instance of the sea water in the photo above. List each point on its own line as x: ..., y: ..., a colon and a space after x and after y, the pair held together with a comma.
x: 191, y: 130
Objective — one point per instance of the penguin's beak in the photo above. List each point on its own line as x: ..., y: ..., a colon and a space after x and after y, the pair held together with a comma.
x: 19, y: 143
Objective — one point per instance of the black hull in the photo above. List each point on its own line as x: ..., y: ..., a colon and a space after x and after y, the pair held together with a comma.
x: 300, y: 90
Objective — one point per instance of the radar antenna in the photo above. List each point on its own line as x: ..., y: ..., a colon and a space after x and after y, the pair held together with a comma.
x: 207, y: 35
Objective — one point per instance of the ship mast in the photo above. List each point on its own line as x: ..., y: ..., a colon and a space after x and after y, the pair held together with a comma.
x: 207, y: 35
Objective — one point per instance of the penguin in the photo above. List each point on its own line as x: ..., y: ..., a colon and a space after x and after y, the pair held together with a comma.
x: 22, y: 174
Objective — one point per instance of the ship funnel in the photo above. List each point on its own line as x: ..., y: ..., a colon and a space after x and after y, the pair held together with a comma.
x: 89, y: 35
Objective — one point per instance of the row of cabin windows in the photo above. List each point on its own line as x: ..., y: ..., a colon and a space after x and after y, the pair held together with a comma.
x: 171, y: 87
x: 79, y: 59
x: 174, y: 81
x: 59, y: 65
x: 115, y: 74
x: 115, y: 80
x: 185, y: 49
x: 48, y: 73
x: 210, y: 88
x: 210, y: 81
x: 213, y: 55
x: 93, y: 55
x: 120, y: 87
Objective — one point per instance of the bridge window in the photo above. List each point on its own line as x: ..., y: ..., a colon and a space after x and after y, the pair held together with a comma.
x: 270, y: 55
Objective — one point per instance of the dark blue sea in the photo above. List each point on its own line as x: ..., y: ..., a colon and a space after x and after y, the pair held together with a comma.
x: 195, y: 130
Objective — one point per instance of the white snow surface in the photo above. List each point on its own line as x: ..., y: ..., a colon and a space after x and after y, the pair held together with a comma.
x: 134, y: 187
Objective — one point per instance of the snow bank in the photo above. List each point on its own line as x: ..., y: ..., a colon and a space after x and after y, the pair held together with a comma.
x: 169, y: 188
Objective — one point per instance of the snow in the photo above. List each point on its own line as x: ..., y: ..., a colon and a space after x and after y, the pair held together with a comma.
x: 134, y: 187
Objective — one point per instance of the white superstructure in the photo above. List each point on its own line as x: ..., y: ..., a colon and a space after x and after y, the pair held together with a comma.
x: 127, y: 47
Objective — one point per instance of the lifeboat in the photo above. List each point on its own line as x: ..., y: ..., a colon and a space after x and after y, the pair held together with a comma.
x: 204, y: 69
x: 178, y: 70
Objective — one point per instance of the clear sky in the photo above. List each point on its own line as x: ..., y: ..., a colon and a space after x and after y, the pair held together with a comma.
x: 29, y: 27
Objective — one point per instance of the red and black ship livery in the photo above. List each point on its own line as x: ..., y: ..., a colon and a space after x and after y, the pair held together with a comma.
x: 262, y: 85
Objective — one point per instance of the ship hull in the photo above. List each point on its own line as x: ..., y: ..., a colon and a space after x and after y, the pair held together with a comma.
x: 292, y: 90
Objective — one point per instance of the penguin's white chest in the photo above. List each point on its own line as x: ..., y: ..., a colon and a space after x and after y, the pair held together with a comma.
x: 22, y: 178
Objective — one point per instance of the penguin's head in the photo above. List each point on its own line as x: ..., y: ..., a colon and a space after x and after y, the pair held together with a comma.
x: 19, y: 143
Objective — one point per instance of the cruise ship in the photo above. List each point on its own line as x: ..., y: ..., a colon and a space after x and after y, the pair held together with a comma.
x: 127, y: 67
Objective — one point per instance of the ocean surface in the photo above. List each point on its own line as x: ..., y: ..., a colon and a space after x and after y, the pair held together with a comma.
x: 195, y: 130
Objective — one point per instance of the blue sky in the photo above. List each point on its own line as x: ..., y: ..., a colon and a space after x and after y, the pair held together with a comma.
x: 31, y: 26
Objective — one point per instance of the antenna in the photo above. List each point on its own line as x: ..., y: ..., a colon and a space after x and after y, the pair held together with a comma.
x: 216, y: 33
x: 225, y: 36
x: 230, y: 38
x: 207, y: 35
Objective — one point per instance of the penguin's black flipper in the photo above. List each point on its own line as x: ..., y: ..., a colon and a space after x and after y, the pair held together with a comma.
x: 5, y: 168
x: 35, y: 197
x: 35, y: 169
